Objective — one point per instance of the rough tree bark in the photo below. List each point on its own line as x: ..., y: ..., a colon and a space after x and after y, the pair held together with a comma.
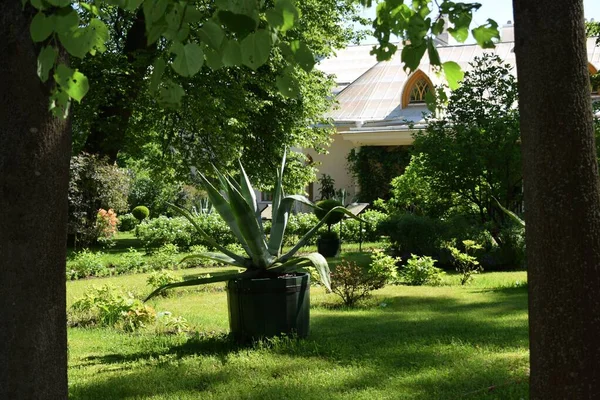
x: 34, y: 173
x: 562, y: 199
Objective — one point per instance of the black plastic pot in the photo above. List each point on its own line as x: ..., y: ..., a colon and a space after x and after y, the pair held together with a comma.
x: 269, y: 307
x: 328, y: 246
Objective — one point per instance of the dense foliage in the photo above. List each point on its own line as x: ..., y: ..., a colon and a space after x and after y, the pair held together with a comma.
x: 470, y: 151
x: 373, y: 167
x: 94, y: 184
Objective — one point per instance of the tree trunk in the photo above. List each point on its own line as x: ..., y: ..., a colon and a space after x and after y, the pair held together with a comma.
x: 34, y: 172
x: 562, y: 199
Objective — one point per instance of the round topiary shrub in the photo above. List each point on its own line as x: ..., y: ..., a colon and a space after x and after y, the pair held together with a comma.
x: 324, y: 207
x: 141, y: 213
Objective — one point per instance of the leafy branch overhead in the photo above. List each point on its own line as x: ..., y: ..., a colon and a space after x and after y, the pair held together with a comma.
x: 238, y: 33
x: 235, y: 33
x: 416, y: 25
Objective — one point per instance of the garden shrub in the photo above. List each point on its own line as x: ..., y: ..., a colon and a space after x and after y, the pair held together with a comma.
x: 178, y: 230
x: 353, y: 283
x: 140, y: 212
x: 215, y: 227
x: 324, y: 207
x: 371, y: 230
x: 106, y: 227
x: 85, y: 264
x: 164, y: 230
x: 164, y: 257
x: 132, y: 261
x: 106, y: 307
x: 421, y: 270
x: 412, y: 234
x: 127, y: 222
x: 383, y: 265
x: 93, y: 184
x: 510, y: 254
x: 466, y: 264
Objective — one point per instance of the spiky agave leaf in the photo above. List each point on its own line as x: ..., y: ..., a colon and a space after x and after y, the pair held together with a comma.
x: 218, y: 257
x: 222, y: 206
x: 202, y: 281
x: 253, y: 235
x: 280, y: 219
x: 315, y: 260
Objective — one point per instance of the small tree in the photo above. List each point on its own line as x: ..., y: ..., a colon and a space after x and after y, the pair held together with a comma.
x: 466, y: 264
x: 94, y: 185
x: 472, y: 151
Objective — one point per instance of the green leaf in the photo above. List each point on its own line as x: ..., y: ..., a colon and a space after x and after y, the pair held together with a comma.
x: 192, y: 14
x: 315, y: 259
x: 199, y: 281
x: 212, y: 34
x: 188, y: 59
x: 154, y: 9
x: 218, y: 257
x: 434, y: 56
x: 412, y: 55
x: 249, y: 228
x: 158, y: 69
x: 38, y: 4
x: 72, y: 82
x: 454, y: 74
x: 80, y: 41
x: 240, y: 24
x: 156, y: 32
x: 511, y: 214
x: 303, y: 55
x: 256, y: 48
x: 59, y: 3
x: 438, y: 27
x: 274, y: 18
x: 485, y: 33
x: 283, y: 16
x: 132, y: 5
x: 213, y: 58
x: 288, y: 86
x: 289, y: 12
x: 232, y: 54
x: 45, y: 62
x: 170, y: 94
x: 60, y: 103
x: 66, y: 21
x: 460, y: 33
x: 41, y: 27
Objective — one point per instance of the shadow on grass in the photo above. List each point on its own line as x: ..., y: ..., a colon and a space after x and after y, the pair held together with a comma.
x: 429, y: 347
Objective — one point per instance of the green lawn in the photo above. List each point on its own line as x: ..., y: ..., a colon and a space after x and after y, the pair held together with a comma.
x: 447, y: 342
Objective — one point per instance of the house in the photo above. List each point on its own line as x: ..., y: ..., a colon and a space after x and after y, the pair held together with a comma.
x: 381, y: 105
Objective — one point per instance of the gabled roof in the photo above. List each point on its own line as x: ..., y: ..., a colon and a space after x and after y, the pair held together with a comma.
x: 375, y: 94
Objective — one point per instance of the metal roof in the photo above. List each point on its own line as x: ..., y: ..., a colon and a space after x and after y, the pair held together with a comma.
x: 375, y: 94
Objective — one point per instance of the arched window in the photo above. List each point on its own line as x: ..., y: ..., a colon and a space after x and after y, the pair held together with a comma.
x: 416, y: 88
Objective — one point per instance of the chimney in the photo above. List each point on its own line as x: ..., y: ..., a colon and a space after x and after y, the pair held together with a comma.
x: 508, y: 32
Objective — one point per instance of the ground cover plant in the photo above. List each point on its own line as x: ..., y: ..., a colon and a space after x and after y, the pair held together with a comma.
x: 408, y: 342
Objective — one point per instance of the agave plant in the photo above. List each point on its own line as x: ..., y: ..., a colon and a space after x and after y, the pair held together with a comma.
x: 236, y: 203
